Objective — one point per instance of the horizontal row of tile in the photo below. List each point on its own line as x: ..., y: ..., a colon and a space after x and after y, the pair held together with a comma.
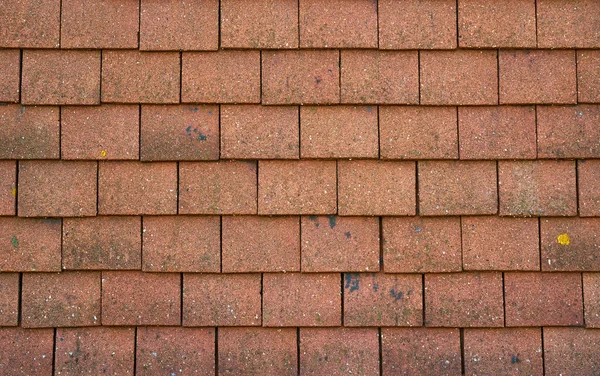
x: 460, y: 77
x: 210, y: 132
x: 466, y: 299
x: 241, y: 244
x: 387, y: 24
x: 306, y: 187
x: 303, y: 351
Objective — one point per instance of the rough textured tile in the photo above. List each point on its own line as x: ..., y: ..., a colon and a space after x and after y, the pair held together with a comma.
x: 421, y: 245
x: 387, y: 77
x: 591, y: 297
x: 179, y: 25
x: 337, y: 351
x: 29, y: 132
x: 568, y: 131
x: 9, y: 299
x: 505, y: 132
x: 57, y: 189
x: 589, y: 190
x: 485, y: 24
x: 26, y: 351
x: 140, y: 77
x: 10, y: 75
x: 383, y: 299
x: 297, y: 187
x: 28, y: 244
x: 95, y: 351
x: 421, y: 351
x: 182, y: 244
x: 134, y: 188
x: 101, y: 243
x: 224, y: 187
x: 338, y: 24
x: 253, y: 351
x: 500, y: 243
x: 259, y: 24
x: 60, y: 77
x: 417, y: 24
x: 464, y: 300
x: 540, y: 76
x: 568, y: 23
x: 588, y: 76
x: 571, y: 351
x: 457, y: 188
x: 175, y: 350
x: 503, y: 351
x: 259, y: 132
x: 261, y: 244
x: 543, y: 299
x: 459, y: 77
x: 137, y: 298
x: 60, y: 299
x: 183, y: 132
x: 222, y: 299
x: 298, y: 299
x: 8, y: 187
x: 221, y: 77
x: 99, y: 24
x: 103, y: 132
x: 411, y: 132
x: 570, y: 244
x: 376, y: 188
x: 339, y: 132
x: 335, y: 244
x: 30, y: 24
x: 300, y: 77
x: 537, y: 188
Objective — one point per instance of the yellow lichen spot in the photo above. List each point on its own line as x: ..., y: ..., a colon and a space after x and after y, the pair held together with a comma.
x: 103, y: 153
x: 14, y: 191
x: 563, y: 239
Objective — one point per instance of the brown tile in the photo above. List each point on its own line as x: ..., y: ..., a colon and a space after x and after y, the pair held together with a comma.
x: 259, y: 132
x: 543, y: 299
x: 9, y: 299
x: 500, y: 243
x: 28, y: 244
x: 383, y: 299
x: 140, y: 77
x: 412, y: 132
x: 571, y: 351
x: 588, y: 76
x: 10, y: 75
x: 570, y: 244
x: 376, y: 188
x: 591, y: 297
x: 8, y: 187
x: 100, y: 132
x: 179, y: 25
x: 301, y: 299
x: 223, y: 187
x: 29, y: 132
x: 537, y: 188
x: 222, y: 299
x: 60, y: 77
x: 57, y: 189
x: 182, y: 244
x: 336, y: 244
x: 261, y: 244
x: 538, y: 76
x: 458, y: 77
x: 101, y: 243
x: 61, y: 299
x: 27, y: 351
x: 221, y: 77
x: 300, y: 77
x: 138, y: 298
x: 421, y: 245
x: 589, y: 190
x: 464, y: 300
x: 568, y: 24
x: 31, y: 24
x: 180, y: 132
x: 297, y: 187
x: 134, y: 188
x: 259, y: 24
